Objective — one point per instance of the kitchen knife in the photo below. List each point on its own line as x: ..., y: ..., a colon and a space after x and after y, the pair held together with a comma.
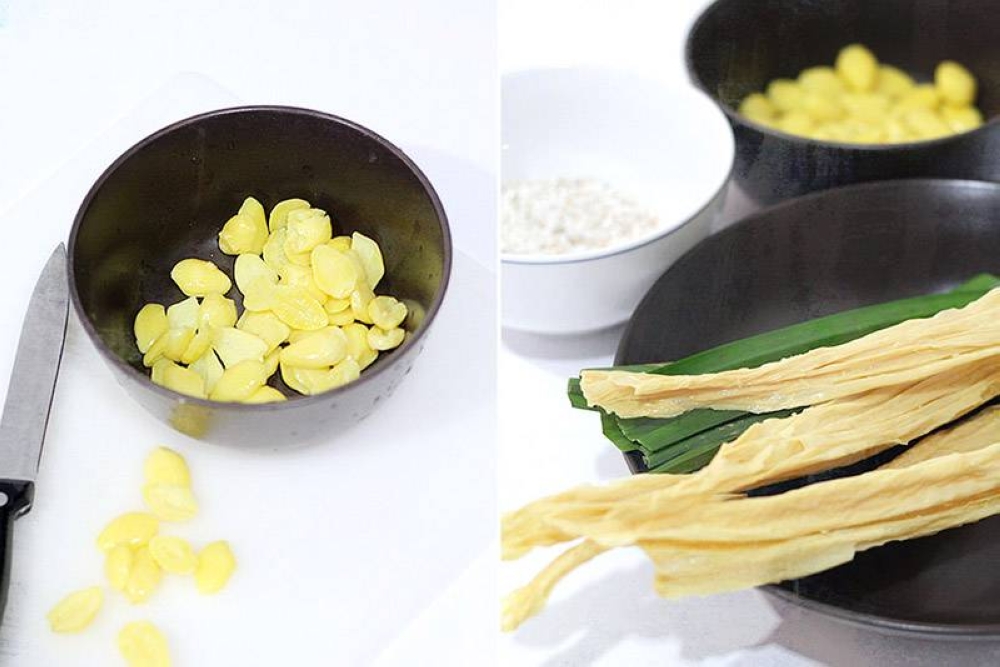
x: 29, y: 396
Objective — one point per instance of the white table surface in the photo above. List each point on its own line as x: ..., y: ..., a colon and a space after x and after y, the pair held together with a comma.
x: 377, y: 548
x: 606, y: 612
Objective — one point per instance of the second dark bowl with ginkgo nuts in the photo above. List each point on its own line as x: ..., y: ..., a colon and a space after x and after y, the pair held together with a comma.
x: 166, y: 199
x: 737, y: 46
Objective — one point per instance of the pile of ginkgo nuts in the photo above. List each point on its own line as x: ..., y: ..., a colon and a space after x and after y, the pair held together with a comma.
x: 137, y: 556
x: 309, y: 308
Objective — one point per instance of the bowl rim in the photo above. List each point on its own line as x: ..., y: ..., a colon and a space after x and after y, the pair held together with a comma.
x: 367, y: 376
x: 647, y: 239
x: 736, y: 117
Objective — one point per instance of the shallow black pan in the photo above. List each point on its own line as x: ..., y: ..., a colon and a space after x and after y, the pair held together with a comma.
x: 820, y: 254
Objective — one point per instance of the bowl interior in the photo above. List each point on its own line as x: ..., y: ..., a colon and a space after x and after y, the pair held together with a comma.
x: 825, y: 253
x: 167, y: 198
x: 738, y: 46
x: 670, y: 149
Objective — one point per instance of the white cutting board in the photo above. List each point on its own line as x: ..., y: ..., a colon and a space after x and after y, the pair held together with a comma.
x: 340, y: 546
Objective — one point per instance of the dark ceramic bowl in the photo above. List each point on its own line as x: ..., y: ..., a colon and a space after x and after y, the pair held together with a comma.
x: 737, y: 46
x: 167, y: 198
x: 821, y: 254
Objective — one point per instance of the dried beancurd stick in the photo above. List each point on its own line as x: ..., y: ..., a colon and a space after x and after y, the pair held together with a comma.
x: 976, y: 432
x: 884, y: 389
x: 685, y: 571
x: 847, y: 501
x: 756, y: 565
x: 528, y: 521
x: 745, y: 542
x: 842, y: 432
x: 819, y: 438
x: 900, y: 354
x: 529, y: 600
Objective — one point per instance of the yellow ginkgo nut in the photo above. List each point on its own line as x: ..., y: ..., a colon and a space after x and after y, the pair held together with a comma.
x: 239, y: 381
x: 150, y: 324
x: 170, y: 502
x: 173, y: 554
x: 235, y: 345
x: 76, y: 611
x: 279, y: 214
x: 266, y: 395
x: 216, y: 565
x: 386, y: 312
x: 133, y: 529
x: 199, y: 277
x: 296, y: 308
x: 118, y: 566
x: 143, y: 578
x: 143, y: 645
x: 319, y: 349
x: 266, y: 326
x: 334, y: 271
x: 165, y: 466
x: 217, y: 311
x: 380, y: 339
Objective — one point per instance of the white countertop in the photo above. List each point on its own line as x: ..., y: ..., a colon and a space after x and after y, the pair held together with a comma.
x: 373, y: 549
x: 606, y: 613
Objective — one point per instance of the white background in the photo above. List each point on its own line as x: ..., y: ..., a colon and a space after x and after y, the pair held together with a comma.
x: 606, y: 613
x: 423, y: 75
x: 375, y: 548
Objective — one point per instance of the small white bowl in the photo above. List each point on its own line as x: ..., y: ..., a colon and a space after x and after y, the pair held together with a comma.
x: 671, y: 149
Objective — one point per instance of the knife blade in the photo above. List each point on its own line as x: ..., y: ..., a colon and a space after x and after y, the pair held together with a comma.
x: 29, y: 398
x: 33, y: 378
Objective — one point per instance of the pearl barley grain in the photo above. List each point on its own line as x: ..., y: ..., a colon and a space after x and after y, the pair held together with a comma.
x: 553, y: 217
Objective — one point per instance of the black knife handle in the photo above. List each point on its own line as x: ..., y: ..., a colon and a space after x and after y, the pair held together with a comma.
x: 17, y: 497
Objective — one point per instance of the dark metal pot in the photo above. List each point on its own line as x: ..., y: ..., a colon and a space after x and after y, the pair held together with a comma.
x: 826, y: 253
x: 737, y: 46
x: 167, y: 198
